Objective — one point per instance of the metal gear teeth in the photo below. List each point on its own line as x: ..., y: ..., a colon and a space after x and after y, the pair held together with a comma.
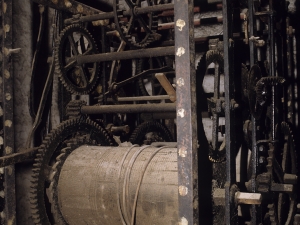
x: 46, y: 151
x: 59, y: 70
x: 265, y: 82
x: 140, y: 131
x: 124, y: 31
x: 214, y: 56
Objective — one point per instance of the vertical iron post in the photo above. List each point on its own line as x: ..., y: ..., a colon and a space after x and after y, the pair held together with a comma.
x: 8, y: 120
x: 253, y: 58
x: 230, y: 188
x: 186, y: 113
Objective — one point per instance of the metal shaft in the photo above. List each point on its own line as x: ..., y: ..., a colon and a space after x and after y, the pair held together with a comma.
x: 138, y: 108
x: 132, y: 54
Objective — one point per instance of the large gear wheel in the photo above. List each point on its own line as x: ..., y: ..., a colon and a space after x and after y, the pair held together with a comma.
x: 51, y: 147
x: 136, y: 30
x: 75, y: 40
x: 282, y: 162
x: 55, y: 172
x: 151, y: 131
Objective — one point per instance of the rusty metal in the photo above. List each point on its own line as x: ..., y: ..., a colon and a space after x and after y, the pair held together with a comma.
x: 111, y: 181
x: 139, y: 108
x: 71, y: 6
x: 8, y: 114
x: 186, y: 113
x: 131, y: 54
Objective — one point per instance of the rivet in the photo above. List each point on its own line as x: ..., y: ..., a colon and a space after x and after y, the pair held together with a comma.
x: 8, y: 150
x: 180, y: 82
x: 182, y: 152
x: 4, y: 7
x: 8, y: 123
x: 6, y: 28
x: 7, y: 96
x: 180, y: 113
x: 180, y: 51
x: 6, y: 74
x: 183, y: 191
x: 183, y: 221
x: 2, y: 195
x: 68, y: 4
x: 80, y: 8
x: 180, y: 24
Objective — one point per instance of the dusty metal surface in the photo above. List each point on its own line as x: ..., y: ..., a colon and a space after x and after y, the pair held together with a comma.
x: 103, y: 186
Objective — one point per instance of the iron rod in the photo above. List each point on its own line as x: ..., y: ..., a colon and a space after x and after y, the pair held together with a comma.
x: 131, y: 54
x: 136, y: 108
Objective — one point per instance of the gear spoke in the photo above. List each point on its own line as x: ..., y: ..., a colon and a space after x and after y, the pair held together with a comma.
x: 77, y: 79
x: 70, y: 65
x: 135, y: 23
x: 278, y: 170
x: 143, y: 24
x: 83, y: 76
x: 73, y: 45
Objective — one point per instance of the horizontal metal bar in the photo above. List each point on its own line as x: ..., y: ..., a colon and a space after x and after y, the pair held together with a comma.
x: 143, y: 98
x: 136, y: 108
x: 110, y: 15
x: 131, y: 54
x: 18, y: 157
x: 71, y: 6
x: 154, y: 8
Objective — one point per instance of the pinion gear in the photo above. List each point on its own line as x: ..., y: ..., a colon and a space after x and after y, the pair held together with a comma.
x: 75, y: 40
x: 51, y: 147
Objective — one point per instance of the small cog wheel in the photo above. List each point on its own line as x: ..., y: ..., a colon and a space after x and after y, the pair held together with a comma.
x: 151, y: 131
x: 51, y: 147
x: 75, y: 40
x: 136, y: 30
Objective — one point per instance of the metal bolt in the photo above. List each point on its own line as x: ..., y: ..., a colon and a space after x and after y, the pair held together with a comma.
x: 262, y: 160
x: 8, y: 52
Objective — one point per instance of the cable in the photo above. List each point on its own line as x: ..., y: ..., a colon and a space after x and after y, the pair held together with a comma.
x: 139, y: 184
x: 118, y: 187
